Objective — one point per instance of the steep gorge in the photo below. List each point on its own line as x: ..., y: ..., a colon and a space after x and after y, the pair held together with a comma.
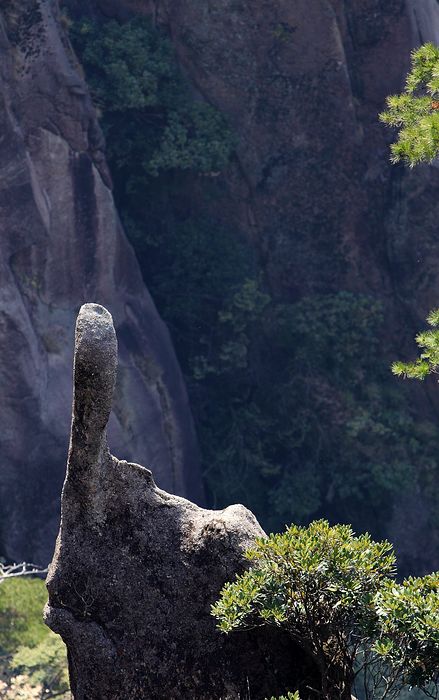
x: 345, y: 245
x: 311, y: 188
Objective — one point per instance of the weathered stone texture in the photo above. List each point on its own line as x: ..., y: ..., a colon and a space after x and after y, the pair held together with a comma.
x: 61, y: 245
x: 136, y: 569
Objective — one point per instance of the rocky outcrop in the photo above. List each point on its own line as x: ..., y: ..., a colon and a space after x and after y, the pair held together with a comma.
x: 62, y: 245
x: 136, y: 569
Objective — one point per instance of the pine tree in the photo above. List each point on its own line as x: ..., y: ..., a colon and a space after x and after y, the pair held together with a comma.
x: 428, y: 361
x: 415, y: 112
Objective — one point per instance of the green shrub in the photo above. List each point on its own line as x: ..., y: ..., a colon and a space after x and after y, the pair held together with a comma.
x: 32, y: 658
x: 335, y: 595
x: 21, y: 604
x: 151, y: 122
x: 409, y: 628
x: 43, y: 665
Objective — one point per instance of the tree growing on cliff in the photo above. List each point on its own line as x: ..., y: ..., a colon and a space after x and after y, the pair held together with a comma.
x: 335, y: 594
x: 428, y: 360
x: 415, y: 112
x: 149, y: 118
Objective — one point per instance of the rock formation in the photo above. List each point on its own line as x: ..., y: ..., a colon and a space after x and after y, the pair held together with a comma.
x: 62, y: 245
x: 135, y: 569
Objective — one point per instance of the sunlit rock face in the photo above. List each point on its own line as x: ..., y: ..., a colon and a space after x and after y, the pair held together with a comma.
x: 62, y: 245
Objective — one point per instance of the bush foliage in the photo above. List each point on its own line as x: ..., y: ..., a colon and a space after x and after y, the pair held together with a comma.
x: 151, y: 122
x: 335, y: 595
x: 33, y: 660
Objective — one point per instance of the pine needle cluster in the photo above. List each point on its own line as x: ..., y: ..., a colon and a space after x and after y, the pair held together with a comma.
x: 415, y: 112
x: 428, y: 361
x: 335, y: 594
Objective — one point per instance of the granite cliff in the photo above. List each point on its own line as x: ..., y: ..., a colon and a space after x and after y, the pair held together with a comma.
x: 62, y: 245
x: 311, y: 186
x: 301, y: 85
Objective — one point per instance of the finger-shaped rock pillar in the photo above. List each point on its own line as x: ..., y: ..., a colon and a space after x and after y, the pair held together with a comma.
x: 136, y: 569
x: 94, y: 375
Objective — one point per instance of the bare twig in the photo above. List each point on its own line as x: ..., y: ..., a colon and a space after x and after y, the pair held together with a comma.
x: 16, y: 570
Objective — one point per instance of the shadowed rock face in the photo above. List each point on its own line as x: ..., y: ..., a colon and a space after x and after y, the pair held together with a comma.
x: 135, y: 569
x: 61, y: 245
x: 301, y: 84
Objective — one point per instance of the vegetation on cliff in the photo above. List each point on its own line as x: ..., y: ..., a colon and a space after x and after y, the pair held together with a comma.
x: 415, y: 112
x: 335, y: 593
x: 295, y: 412
x: 151, y: 122
x: 428, y: 361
